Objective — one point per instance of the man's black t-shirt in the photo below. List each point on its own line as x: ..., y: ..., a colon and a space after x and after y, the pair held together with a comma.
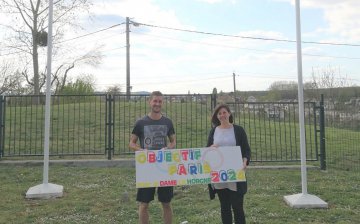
x: 153, y: 133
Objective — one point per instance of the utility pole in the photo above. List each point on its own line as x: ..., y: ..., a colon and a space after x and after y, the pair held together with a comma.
x: 127, y: 59
x: 235, y: 107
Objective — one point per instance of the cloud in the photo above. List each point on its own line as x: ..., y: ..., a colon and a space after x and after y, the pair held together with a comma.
x: 138, y: 10
x: 342, y: 17
x: 162, y: 55
x: 176, y: 62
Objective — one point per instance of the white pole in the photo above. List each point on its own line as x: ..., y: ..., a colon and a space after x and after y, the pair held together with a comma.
x: 303, y: 200
x: 48, y: 96
x: 46, y: 189
x: 301, y: 100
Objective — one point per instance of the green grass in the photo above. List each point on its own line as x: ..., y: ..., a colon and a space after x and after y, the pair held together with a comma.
x: 99, y: 195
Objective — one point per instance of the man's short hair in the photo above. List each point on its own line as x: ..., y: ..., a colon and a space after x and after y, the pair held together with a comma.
x: 155, y: 93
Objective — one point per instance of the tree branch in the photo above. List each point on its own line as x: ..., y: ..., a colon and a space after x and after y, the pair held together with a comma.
x: 22, y: 15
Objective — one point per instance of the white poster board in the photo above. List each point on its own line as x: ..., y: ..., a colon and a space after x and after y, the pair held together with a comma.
x: 175, y: 167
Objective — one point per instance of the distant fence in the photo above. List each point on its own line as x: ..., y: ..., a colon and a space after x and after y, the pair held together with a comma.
x: 342, y: 122
x: 273, y: 130
x: 101, y: 125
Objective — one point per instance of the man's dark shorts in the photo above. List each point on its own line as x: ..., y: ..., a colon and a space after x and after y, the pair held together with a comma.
x: 165, y: 194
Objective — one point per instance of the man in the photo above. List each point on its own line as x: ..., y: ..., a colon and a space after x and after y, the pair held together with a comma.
x: 152, y: 131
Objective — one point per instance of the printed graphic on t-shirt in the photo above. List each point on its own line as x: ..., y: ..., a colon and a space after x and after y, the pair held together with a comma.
x: 155, y: 136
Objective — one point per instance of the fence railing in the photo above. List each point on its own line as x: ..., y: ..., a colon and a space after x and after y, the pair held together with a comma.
x: 342, y: 136
x: 94, y: 124
x: 101, y: 125
x: 273, y: 130
x: 77, y: 125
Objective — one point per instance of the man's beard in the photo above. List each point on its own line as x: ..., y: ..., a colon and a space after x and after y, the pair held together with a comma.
x: 156, y: 109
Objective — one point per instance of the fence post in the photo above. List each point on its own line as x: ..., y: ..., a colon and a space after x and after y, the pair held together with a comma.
x: 2, y: 125
x: 322, y: 135
x: 109, y: 125
x: 213, y: 99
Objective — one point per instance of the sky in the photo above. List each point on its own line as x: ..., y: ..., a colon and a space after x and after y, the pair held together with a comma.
x: 179, y: 62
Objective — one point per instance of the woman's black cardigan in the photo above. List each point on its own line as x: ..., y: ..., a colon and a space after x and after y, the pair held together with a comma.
x: 242, y: 141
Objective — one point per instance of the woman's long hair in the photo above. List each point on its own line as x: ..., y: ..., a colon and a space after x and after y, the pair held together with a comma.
x: 215, y: 121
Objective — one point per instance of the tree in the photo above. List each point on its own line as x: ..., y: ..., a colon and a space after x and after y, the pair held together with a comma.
x: 114, y: 89
x: 283, y: 85
x: 329, y: 77
x: 29, y: 25
x: 279, y: 90
x: 60, y: 76
x: 328, y: 81
x: 83, y: 85
x: 10, y: 80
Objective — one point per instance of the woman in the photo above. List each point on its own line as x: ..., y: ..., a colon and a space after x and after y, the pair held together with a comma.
x: 231, y: 195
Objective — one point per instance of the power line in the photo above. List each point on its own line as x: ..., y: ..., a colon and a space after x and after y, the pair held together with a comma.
x: 254, y: 75
x: 102, y: 38
x: 247, y: 37
x: 88, y: 34
x: 249, y: 49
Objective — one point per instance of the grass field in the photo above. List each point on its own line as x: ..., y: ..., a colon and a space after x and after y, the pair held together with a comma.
x: 107, y: 195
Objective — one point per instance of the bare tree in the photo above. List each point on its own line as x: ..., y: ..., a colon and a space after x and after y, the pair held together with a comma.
x: 10, y: 80
x: 29, y: 25
x: 329, y: 79
x: 60, y: 76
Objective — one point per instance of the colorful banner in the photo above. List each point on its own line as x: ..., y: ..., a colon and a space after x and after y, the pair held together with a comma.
x: 175, y: 167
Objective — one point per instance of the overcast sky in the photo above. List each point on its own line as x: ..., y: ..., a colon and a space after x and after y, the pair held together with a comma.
x: 181, y: 62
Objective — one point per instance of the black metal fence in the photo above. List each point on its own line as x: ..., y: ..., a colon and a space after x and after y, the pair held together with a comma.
x: 101, y: 125
x: 342, y: 122
x: 273, y: 130
x: 85, y: 125
x: 94, y: 124
x: 77, y: 125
